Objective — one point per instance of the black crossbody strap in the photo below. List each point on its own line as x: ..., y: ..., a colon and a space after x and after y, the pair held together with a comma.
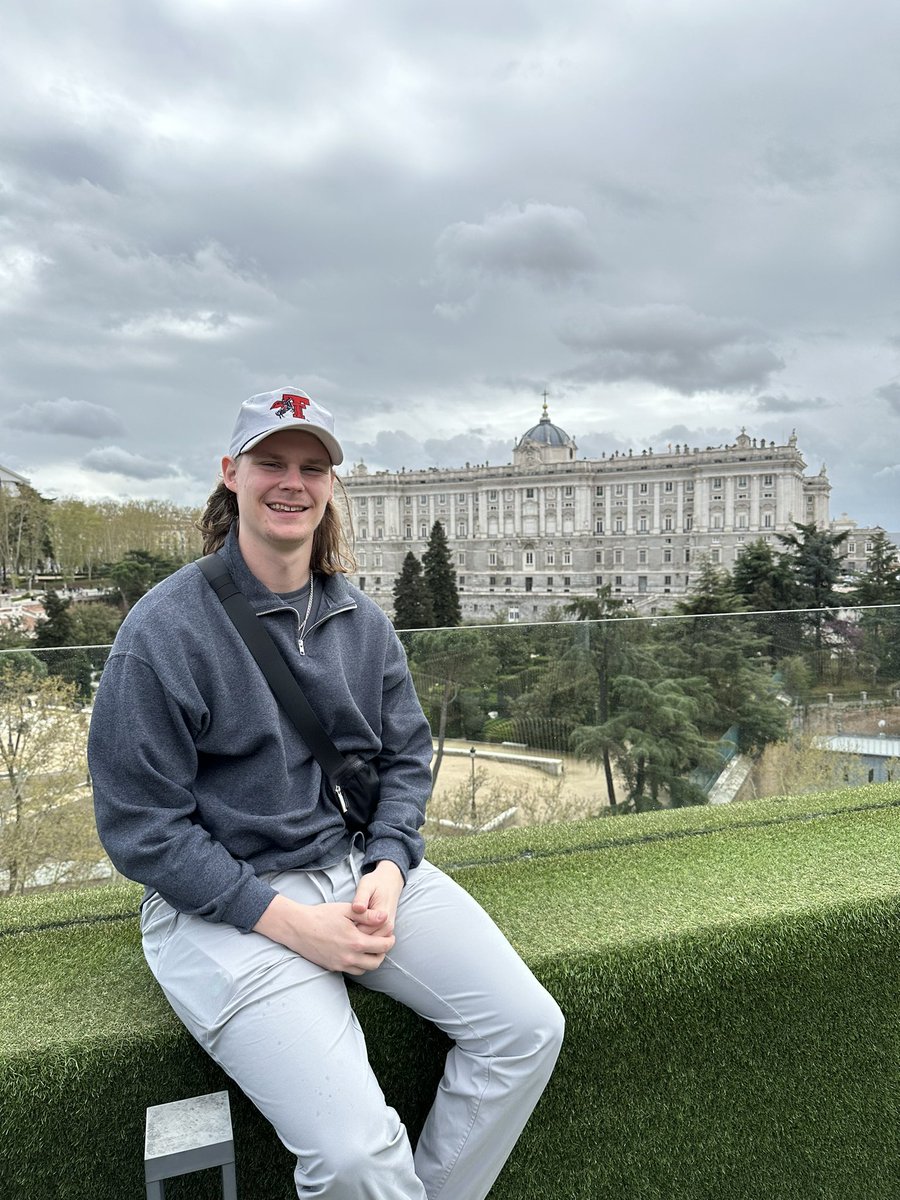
x: 278, y: 675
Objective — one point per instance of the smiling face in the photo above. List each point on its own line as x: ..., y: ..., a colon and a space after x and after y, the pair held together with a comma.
x: 282, y: 486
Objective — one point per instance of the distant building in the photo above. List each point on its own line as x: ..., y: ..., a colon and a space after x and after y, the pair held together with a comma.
x: 874, y: 758
x: 9, y: 479
x: 858, y: 546
x: 548, y: 526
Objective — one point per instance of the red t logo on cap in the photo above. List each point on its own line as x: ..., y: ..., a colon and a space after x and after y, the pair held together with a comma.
x: 289, y: 403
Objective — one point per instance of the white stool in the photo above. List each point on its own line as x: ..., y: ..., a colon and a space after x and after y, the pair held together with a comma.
x: 189, y: 1135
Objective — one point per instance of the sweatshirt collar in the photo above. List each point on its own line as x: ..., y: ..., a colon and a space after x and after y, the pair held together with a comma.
x: 334, y: 587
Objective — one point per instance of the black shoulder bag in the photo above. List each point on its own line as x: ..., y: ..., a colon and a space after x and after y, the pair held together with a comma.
x: 353, y: 783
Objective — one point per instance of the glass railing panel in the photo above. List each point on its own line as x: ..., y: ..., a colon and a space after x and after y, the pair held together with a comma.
x: 532, y: 723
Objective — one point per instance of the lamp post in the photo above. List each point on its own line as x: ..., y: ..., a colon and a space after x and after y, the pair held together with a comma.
x: 472, y: 760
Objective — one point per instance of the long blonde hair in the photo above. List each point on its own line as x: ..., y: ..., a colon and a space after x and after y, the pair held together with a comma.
x: 332, y: 552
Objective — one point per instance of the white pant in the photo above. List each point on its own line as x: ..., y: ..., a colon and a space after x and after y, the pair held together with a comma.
x: 284, y: 1030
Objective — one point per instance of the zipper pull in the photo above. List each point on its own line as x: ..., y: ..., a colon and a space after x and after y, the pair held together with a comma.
x: 300, y: 646
x: 342, y: 804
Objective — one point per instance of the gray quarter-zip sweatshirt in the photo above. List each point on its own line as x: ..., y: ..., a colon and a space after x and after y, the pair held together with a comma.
x: 202, y: 783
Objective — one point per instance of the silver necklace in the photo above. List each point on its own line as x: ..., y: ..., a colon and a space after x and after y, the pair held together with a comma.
x: 302, y: 632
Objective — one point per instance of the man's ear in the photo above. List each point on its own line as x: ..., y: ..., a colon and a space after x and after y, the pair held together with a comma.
x: 229, y: 469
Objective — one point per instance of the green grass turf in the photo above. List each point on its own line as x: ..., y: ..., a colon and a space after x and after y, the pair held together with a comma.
x: 729, y: 977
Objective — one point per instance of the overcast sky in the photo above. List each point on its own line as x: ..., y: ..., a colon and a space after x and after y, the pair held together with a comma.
x: 679, y: 217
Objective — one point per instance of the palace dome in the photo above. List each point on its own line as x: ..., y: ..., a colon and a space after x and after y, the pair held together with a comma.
x: 547, y: 440
x: 547, y: 433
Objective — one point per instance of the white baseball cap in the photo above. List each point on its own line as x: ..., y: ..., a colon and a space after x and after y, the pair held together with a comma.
x: 285, y: 408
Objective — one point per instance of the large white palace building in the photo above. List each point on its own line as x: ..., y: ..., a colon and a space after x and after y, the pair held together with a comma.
x: 549, y: 526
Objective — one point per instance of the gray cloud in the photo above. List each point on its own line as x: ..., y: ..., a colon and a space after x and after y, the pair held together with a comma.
x: 113, y: 460
x: 783, y: 404
x: 78, y: 418
x: 391, y: 451
x: 444, y: 214
x: 891, y: 393
x: 544, y: 241
x: 672, y: 346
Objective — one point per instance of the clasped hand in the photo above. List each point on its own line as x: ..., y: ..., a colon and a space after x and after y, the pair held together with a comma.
x: 352, y: 938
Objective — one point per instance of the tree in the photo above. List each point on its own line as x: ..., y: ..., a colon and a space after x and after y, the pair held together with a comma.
x: 878, y: 587
x: 816, y: 566
x: 712, y: 592
x: 723, y: 648
x: 763, y: 580
x: 94, y: 624
x: 654, y: 738
x: 442, y: 665
x: 24, y: 531
x: 45, y: 815
x: 440, y: 579
x: 608, y: 659
x: 412, y: 600
x: 136, y: 574
x: 57, y: 627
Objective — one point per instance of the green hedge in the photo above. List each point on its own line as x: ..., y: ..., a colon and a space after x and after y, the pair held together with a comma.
x: 730, y: 978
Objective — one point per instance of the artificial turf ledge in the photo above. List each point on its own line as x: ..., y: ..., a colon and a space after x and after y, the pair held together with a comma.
x: 730, y: 979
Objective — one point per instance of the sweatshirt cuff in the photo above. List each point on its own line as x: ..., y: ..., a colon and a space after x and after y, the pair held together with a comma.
x: 250, y: 904
x: 390, y: 850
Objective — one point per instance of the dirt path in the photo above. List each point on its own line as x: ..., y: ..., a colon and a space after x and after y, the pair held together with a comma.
x: 579, y: 792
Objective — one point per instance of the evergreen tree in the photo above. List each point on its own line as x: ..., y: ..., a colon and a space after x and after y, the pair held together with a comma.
x: 412, y: 602
x: 879, y: 585
x: 880, y: 582
x: 726, y: 653
x: 713, y: 592
x: 763, y: 579
x: 440, y: 579
x: 815, y: 561
x: 654, y: 739
x: 136, y: 574
x: 57, y: 627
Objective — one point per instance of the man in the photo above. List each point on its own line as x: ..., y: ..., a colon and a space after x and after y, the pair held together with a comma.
x: 259, y: 900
